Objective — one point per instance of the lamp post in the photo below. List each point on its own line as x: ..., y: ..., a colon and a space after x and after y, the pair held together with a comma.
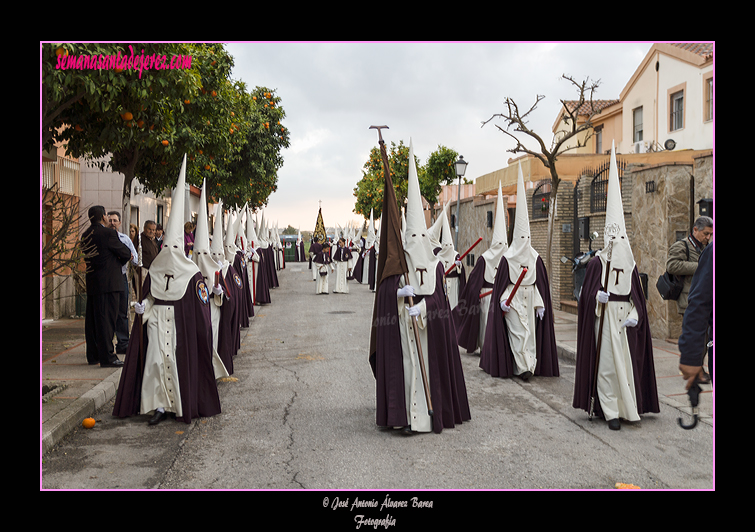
x: 461, y: 167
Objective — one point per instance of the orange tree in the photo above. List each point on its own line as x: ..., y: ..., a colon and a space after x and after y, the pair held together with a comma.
x: 253, y: 172
x: 438, y: 171
x: 148, y: 119
x: 369, y: 190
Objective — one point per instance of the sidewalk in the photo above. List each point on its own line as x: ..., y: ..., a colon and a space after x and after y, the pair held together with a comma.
x: 79, y: 390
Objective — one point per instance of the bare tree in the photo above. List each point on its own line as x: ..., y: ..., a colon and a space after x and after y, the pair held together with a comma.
x: 583, y: 107
x: 62, y: 251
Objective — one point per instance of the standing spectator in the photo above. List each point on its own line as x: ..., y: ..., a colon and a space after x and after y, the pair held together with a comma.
x: 121, y: 322
x: 697, y: 327
x: 104, y: 254
x: 150, y: 248
x: 683, y: 256
x: 159, y: 234
x: 189, y: 238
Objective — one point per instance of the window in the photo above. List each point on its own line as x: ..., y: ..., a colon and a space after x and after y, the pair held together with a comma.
x: 637, y: 125
x: 599, y: 139
x: 708, y: 114
x: 677, y: 111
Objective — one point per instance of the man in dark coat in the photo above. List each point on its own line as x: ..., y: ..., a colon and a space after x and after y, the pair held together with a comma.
x: 105, y: 255
x: 697, y: 327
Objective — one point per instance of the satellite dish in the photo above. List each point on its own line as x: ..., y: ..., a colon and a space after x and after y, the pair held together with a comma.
x: 669, y: 144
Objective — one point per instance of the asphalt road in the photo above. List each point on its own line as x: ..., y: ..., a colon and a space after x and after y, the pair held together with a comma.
x: 301, y: 416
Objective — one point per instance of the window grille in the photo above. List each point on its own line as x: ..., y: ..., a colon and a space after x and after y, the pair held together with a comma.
x: 599, y: 186
x: 541, y: 199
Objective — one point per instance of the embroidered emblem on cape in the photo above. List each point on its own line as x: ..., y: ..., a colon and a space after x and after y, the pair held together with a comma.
x: 202, y: 292
x: 237, y: 279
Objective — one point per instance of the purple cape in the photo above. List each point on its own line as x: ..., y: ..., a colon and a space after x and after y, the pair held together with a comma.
x: 196, y: 377
x: 229, y: 328
x: 245, y: 306
x: 466, y: 314
x: 640, y: 345
x: 447, y: 387
x: 372, y: 265
x: 496, y: 357
x: 262, y: 282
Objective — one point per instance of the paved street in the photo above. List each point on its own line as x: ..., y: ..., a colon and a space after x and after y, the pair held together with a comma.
x: 301, y: 415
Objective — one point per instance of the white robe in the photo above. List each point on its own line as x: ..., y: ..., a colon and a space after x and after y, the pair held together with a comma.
x: 416, y: 403
x: 520, y: 322
x: 616, y: 390
x: 342, y: 285
x: 322, y: 280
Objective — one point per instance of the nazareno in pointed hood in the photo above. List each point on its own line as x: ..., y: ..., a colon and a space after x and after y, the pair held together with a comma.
x: 615, y: 239
x: 521, y: 254
x: 420, y: 259
x: 202, y: 251
x: 172, y: 270
x: 499, y: 243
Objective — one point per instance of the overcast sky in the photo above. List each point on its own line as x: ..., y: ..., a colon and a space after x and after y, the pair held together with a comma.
x: 430, y: 93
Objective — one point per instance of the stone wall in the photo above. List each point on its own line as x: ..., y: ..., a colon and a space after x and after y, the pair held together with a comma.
x: 664, y: 204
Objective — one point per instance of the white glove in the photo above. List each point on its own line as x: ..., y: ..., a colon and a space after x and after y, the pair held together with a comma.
x: 458, y: 264
x: 540, y: 312
x: 406, y: 291
x: 504, y: 306
x: 139, y: 308
x: 630, y: 322
x: 217, y: 290
x: 413, y: 311
x: 602, y: 296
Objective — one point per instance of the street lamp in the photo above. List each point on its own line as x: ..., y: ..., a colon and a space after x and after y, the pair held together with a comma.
x: 461, y: 167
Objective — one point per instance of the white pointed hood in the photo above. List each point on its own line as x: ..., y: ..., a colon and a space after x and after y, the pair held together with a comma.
x: 521, y: 253
x: 615, y: 237
x: 172, y: 270
x: 436, y: 229
x: 369, y: 241
x: 230, y: 237
x: 447, y: 254
x: 251, y: 232
x: 217, y: 247
x: 499, y: 243
x: 420, y: 259
x: 262, y: 244
x: 202, y: 252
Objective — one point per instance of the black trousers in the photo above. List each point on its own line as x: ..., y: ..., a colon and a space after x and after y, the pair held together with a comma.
x: 99, y: 327
x: 121, y: 322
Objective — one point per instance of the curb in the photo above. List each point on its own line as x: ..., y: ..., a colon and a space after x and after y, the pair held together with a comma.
x: 64, y: 422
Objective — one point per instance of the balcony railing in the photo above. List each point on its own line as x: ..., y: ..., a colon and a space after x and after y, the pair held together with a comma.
x: 64, y: 173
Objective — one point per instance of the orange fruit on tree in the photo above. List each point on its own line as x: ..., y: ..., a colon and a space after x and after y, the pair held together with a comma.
x: 165, y: 143
x: 187, y: 102
x: 127, y: 116
x: 88, y: 423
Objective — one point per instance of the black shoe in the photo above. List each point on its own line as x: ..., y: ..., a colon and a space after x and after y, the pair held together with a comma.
x: 158, y: 417
x: 114, y: 364
x: 614, y: 424
x: 526, y: 376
